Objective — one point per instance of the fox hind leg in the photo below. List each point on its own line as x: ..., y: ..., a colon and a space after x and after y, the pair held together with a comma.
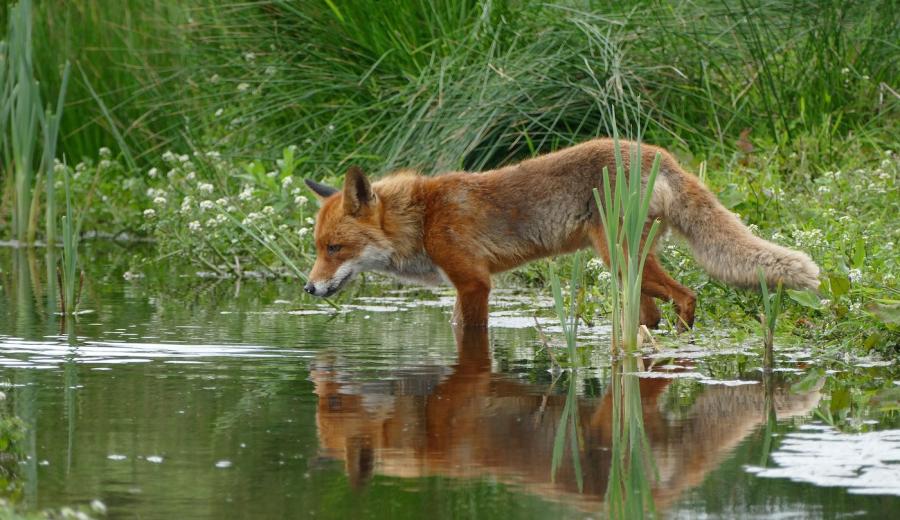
x: 649, y: 311
x: 657, y: 283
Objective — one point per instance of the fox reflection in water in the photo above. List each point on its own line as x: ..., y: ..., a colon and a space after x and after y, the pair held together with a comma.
x: 468, y: 422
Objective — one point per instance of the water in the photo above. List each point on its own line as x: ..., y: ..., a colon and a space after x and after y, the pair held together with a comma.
x: 186, y: 398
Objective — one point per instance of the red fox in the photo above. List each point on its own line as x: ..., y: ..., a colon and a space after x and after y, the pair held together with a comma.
x: 463, y: 227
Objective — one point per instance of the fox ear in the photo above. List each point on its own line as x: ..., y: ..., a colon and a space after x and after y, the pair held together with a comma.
x: 358, y: 194
x: 322, y: 191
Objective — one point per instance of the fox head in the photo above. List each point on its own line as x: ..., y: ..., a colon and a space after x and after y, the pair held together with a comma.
x: 349, y: 235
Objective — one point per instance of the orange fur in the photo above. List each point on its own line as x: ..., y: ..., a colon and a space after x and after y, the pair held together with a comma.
x: 462, y: 227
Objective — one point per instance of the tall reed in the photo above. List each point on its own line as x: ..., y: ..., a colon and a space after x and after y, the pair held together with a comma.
x: 70, y: 279
x: 624, y: 210
x: 24, y: 107
x: 568, y: 321
x: 50, y: 124
x: 771, y: 310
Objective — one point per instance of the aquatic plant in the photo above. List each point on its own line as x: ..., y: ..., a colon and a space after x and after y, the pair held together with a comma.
x: 771, y: 311
x: 624, y: 209
x: 70, y: 281
x: 568, y: 321
x: 628, y: 492
x: 50, y: 126
x: 23, y: 104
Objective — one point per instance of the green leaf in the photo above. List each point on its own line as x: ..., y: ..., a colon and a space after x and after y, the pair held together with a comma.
x: 806, y: 298
x: 731, y: 196
x: 808, y: 383
x: 886, y: 312
x: 840, y: 285
x: 840, y: 400
x: 859, y: 254
x: 887, y: 399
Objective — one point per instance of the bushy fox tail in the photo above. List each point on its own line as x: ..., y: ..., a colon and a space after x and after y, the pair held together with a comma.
x: 722, y: 244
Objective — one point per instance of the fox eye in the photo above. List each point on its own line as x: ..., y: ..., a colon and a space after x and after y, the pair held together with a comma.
x: 333, y: 248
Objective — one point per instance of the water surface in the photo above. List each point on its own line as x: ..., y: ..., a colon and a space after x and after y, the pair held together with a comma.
x: 177, y: 397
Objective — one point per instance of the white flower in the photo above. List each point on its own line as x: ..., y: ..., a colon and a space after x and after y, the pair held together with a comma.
x: 310, y: 221
x: 272, y: 174
x: 205, y: 187
x: 268, y: 210
x: 283, y: 227
x: 222, y: 201
x: 105, y: 152
x: 211, y: 223
x: 246, y: 193
x: 845, y: 71
x: 604, y: 276
x: 300, y: 200
x: 212, y: 154
x: 98, y: 507
x: 104, y: 164
x: 159, y: 201
x: 855, y: 275
x: 214, y: 78
x: 303, y: 231
x: 58, y: 167
x: 191, y: 175
x: 153, y: 172
x: 219, y: 112
x: 186, y: 204
x: 330, y: 128
x: 249, y: 56
x: 168, y: 156
x: 149, y: 213
x: 220, y: 218
x: 824, y: 189
x: 287, y: 181
x: 270, y: 71
x: 171, y: 173
x: 206, y: 204
x: 253, y: 216
x: 194, y: 225
x: 243, y: 87
x: 595, y: 264
x: 184, y: 158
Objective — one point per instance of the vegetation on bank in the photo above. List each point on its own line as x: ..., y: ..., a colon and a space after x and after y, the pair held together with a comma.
x: 192, y: 123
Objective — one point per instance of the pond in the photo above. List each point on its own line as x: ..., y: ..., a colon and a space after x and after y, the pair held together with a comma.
x: 186, y: 397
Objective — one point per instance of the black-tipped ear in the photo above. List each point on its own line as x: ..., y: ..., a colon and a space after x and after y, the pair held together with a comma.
x: 358, y: 195
x: 322, y: 191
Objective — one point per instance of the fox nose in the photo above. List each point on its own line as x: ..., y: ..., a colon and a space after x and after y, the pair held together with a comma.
x: 310, y: 288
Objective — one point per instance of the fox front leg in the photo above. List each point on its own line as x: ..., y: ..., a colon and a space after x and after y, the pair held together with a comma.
x: 471, y: 308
